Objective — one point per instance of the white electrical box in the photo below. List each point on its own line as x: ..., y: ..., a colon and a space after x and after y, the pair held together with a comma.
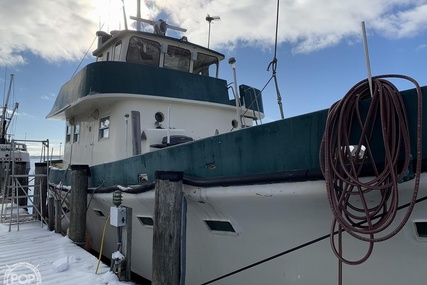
x: 118, y: 216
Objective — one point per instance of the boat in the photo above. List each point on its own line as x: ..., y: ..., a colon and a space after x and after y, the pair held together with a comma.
x: 13, y: 153
x: 265, y: 202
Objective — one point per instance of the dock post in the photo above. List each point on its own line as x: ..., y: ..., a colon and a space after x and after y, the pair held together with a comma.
x: 167, y: 227
x: 78, y: 203
x: 40, y: 190
x: 22, y: 190
x: 58, y: 215
x: 127, y: 240
x: 51, y: 213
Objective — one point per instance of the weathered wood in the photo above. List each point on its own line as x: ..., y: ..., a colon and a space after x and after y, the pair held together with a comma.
x: 22, y: 191
x: 78, y: 203
x: 127, y: 243
x: 167, y: 227
x: 51, y: 213
x: 58, y: 216
x: 40, y: 189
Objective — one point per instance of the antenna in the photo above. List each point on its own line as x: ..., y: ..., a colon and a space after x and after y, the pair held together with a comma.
x: 368, y: 63
x: 210, y: 18
x: 124, y: 15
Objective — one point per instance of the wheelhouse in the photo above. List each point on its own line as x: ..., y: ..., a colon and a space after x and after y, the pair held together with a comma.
x: 157, y: 50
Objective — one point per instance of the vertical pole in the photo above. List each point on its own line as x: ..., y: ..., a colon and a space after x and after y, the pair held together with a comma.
x: 51, y: 213
x: 40, y: 190
x: 167, y: 227
x: 138, y: 15
x: 183, y: 242
x: 22, y: 189
x: 78, y: 203
x: 368, y: 62
x: 58, y: 216
x: 127, y: 239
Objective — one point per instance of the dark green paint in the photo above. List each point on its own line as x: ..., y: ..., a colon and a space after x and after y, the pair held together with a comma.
x: 129, y: 78
x: 285, y: 145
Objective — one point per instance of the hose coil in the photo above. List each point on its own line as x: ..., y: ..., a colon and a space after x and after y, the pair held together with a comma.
x: 344, y: 156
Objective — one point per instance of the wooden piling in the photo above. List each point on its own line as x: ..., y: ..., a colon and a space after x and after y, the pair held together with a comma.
x: 78, y: 203
x: 58, y: 215
x: 40, y: 189
x: 22, y: 190
x: 51, y: 213
x: 127, y: 243
x: 167, y: 227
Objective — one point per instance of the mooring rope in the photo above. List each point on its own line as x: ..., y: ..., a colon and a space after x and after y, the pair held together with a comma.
x: 342, y: 163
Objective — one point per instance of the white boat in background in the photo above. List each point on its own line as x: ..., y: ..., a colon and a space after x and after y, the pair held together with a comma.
x: 11, y: 152
x: 257, y: 208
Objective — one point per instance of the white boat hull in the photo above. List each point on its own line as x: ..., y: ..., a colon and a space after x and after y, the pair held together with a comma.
x: 291, y: 220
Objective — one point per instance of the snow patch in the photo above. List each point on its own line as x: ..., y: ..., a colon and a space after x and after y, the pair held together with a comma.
x: 61, y: 264
x: 108, y: 277
x: 117, y: 255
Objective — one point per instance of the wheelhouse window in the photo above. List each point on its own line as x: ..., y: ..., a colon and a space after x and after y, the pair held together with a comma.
x: 177, y: 58
x: 205, y: 65
x: 76, y: 133
x: 143, y: 51
x: 104, y: 127
x: 68, y: 130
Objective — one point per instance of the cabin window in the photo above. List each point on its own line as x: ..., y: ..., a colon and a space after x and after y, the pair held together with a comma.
x: 76, y: 133
x: 177, y: 58
x: 108, y: 56
x: 104, y: 127
x: 143, y: 51
x: 117, y: 50
x: 68, y: 133
x: 205, y: 64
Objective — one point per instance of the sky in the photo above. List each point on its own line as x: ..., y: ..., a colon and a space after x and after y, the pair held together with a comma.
x: 320, y: 53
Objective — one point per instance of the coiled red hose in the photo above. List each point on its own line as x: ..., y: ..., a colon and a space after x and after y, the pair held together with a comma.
x: 343, y: 156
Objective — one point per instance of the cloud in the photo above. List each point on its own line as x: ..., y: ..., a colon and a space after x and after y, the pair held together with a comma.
x: 58, y: 30
x: 53, y: 30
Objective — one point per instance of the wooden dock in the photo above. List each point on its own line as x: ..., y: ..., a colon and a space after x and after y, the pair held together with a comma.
x: 35, y: 255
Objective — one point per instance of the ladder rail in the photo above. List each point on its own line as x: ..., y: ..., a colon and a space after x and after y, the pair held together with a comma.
x: 22, y: 185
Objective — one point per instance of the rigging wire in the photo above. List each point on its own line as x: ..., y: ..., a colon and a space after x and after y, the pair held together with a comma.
x: 273, y: 65
x: 342, y: 163
x: 78, y: 66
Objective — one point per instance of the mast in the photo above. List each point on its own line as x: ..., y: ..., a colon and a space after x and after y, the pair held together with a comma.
x: 3, y: 116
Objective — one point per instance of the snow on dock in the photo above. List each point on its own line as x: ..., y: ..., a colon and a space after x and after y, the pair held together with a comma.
x: 34, y: 255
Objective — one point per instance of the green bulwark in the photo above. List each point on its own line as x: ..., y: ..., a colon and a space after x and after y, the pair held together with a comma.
x: 284, y: 150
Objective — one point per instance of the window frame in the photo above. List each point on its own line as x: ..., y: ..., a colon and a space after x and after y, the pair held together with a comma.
x: 104, y: 129
x: 76, y: 133
x: 68, y: 132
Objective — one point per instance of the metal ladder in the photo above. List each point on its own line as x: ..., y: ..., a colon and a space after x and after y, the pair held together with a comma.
x: 19, y: 196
